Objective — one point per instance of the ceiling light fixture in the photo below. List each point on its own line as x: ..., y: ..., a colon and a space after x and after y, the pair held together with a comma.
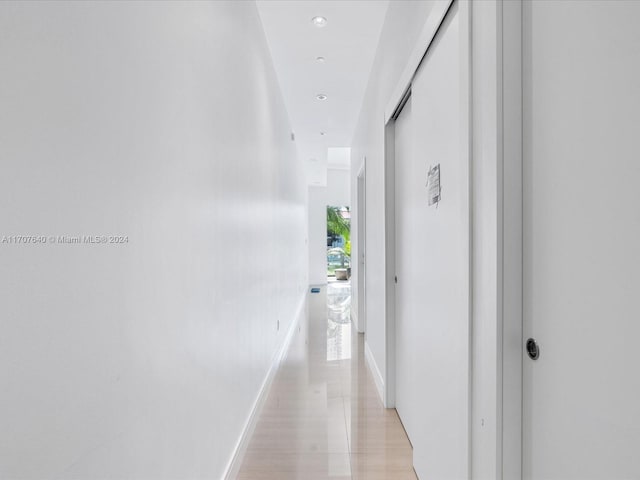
x: 321, y: 96
x: 323, y: 133
x: 320, y: 59
x: 319, y: 21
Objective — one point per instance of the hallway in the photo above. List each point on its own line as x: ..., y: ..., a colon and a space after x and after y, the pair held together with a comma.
x: 176, y: 174
x: 323, y: 417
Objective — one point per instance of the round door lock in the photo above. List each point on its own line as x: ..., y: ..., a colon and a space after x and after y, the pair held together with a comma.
x: 533, y: 349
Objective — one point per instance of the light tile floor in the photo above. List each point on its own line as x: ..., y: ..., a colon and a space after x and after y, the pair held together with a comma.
x: 323, y: 418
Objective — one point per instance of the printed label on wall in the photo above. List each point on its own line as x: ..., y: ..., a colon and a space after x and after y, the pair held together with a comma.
x: 433, y: 185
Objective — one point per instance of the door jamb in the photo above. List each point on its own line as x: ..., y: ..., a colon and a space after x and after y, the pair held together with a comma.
x: 389, y: 387
x: 361, y: 199
x: 510, y: 238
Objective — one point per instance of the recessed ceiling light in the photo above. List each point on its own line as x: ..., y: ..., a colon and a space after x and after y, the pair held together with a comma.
x: 321, y: 96
x: 320, y: 59
x: 319, y: 21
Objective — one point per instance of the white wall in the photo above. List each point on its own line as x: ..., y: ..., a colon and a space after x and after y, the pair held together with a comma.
x: 336, y: 193
x: 162, y: 122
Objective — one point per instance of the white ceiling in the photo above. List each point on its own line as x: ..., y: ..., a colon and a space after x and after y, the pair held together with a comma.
x: 348, y: 42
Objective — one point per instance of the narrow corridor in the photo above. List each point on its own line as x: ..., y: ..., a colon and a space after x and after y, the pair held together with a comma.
x: 323, y: 417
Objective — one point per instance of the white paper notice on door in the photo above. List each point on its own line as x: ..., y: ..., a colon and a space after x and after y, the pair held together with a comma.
x: 433, y: 185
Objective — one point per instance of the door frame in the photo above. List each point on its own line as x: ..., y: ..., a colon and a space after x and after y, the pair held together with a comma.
x: 510, y: 237
x: 361, y: 209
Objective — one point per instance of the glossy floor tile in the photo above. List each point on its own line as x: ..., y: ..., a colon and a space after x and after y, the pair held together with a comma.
x: 323, y: 418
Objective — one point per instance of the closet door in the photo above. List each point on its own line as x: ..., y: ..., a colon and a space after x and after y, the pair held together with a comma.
x: 432, y: 318
x: 581, y: 86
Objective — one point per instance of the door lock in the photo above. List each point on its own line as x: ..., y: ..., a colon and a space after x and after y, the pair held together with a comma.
x: 533, y: 349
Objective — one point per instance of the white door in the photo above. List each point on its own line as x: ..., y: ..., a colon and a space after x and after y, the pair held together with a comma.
x: 431, y: 296
x: 581, y: 86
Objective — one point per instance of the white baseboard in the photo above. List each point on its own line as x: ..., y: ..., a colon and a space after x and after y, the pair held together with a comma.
x: 375, y: 371
x: 233, y: 467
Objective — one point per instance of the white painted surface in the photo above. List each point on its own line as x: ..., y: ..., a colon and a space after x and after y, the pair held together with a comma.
x: 339, y: 158
x: 403, y: 24
x: 485, y: 434
x: 336, y: 193
x: 375, y: 371
x: 141, y: 360
x: 316, y: 172
x: 317, y: 235
x: 428, y: 31
x: 357, y: 301
x: 348, y: 43
x: 432, y: 318
x: 407, y: 317
x: 235, y: 464
x: 509, y: 345
x: 581, y: 237
x: 336, y: 158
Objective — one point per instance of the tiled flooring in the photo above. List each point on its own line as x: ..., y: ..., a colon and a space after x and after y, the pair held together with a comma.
x: 323, y: 418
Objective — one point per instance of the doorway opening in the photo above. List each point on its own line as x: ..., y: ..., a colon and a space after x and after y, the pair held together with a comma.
x: 338, y: 282
x: 338, y: 243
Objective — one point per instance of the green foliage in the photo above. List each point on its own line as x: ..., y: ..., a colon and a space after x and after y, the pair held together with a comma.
x: 337, y: 225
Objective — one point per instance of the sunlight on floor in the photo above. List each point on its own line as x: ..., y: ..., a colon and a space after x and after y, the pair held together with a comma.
x: 338, y: 321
